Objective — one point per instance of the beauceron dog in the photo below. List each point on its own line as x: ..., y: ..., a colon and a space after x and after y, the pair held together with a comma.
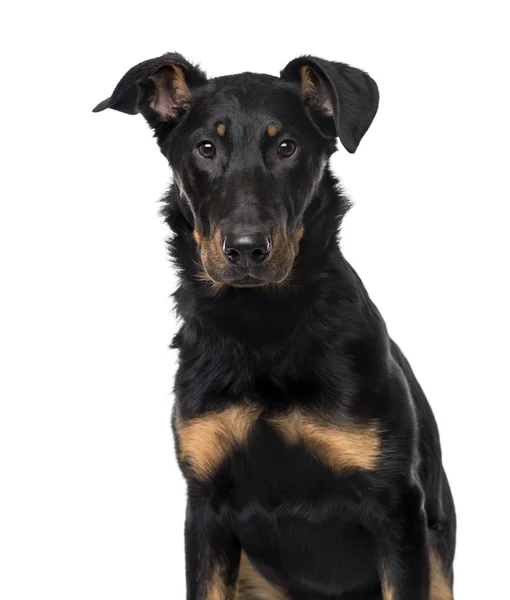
x: 311, y: 455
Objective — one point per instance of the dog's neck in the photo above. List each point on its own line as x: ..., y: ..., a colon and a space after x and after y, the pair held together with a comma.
x: 278, y: 339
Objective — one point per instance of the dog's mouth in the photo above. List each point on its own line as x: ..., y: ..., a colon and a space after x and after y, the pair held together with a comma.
x: 270, y: 268
x: 248, y: 281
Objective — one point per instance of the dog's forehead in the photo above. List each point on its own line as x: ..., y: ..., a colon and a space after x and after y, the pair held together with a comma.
x: 257, y: 97
x: 244, y: 83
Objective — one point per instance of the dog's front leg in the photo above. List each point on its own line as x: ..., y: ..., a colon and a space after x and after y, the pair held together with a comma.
x: 212, y: 555
x: 403, y: 551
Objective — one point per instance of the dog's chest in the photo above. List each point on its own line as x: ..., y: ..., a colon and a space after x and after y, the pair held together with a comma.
x: 290, y: 483
x: 275, y: 448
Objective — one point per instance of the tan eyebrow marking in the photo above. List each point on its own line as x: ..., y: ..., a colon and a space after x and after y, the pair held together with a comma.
x: 272, y: 129
x: 221, y: 128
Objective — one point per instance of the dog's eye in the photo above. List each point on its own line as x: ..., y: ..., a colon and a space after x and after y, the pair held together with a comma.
x: 286, y: 148
x: 207, y: 149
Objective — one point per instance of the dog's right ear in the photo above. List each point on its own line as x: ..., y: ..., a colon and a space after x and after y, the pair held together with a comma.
x: 159, y: 89
x: 346, y: 97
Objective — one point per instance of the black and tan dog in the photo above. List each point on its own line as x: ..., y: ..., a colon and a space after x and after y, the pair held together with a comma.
x: 311, y: 455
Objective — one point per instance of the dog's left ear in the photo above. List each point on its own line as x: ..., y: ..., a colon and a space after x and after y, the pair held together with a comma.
x: 160, y: 89
x: 336, y: 92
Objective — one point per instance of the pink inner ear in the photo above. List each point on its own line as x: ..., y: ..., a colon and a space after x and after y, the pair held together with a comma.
x: 171, y: 91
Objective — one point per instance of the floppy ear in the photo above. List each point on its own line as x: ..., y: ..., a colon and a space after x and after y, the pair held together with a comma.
x: 330, y: 89
x: 159, y: 88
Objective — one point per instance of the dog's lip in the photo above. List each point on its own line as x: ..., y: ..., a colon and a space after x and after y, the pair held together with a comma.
x: 247, y: 281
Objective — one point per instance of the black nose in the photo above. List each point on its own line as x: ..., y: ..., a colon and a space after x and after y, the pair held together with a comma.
x: 247, y: 248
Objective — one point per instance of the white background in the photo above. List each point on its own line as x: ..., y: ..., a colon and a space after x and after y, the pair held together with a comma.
x: 92, y: 500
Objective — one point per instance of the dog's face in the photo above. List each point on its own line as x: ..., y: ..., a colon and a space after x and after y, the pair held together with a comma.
x: 247, y: 159
x: 248, y: 152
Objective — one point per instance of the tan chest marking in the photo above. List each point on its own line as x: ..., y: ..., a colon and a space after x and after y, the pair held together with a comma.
x: 357, y: 446
x: 253, y: 585
x: 205, y: 442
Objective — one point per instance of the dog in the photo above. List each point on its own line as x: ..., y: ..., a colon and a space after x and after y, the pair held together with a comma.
x: 311, y: 455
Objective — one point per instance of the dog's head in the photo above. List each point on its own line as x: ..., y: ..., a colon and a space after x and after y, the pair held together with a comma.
x: 248, y: 152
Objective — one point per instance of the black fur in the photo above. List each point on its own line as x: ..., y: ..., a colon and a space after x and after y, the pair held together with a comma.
x: 313, y: 340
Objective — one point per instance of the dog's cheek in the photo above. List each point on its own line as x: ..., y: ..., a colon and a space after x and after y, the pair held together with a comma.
x: 194, y: 188
x: 212, y: 256
x: 309, y: 188
x: 184, y: 188
x: 283, y: 257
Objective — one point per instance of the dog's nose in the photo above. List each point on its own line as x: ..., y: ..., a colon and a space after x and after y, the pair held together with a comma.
x: 246, y: 249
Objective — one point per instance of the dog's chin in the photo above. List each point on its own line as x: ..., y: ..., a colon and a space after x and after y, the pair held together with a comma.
x: 247, y: 281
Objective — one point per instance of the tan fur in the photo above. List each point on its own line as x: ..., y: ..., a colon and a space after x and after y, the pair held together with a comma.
x: 179, y: 83
x: 387, y: 590
x: 212, y: 254
x: 218, y: 589
x: 214, y: 287
x: 299, y: 234
x: 205, y: 442
x: 357, y: 446
x: 308, y: 79
x: 214, y: 261
x: 272, y: 129
x: 311, y: 89
x: 282, y: 255
x: 253, y: 586
x: 440, y: 589
x: 196, y: 237
x: 221, y: 128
